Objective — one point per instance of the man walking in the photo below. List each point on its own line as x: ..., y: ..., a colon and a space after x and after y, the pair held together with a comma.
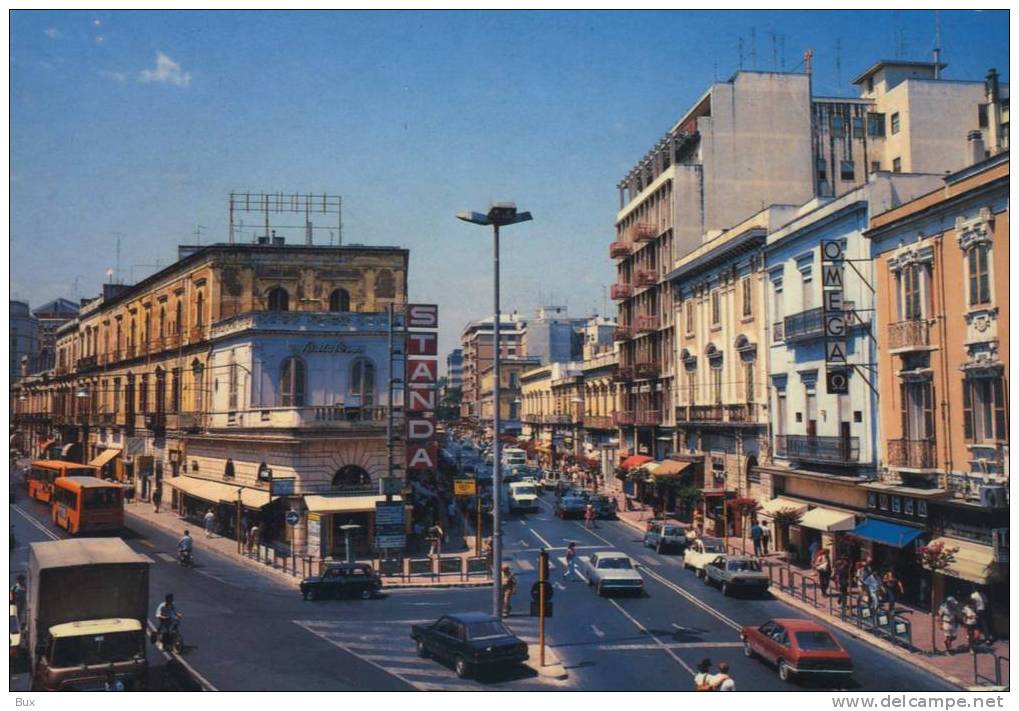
x: 979, y: 603
x: 210, y: 523
x: 157, y: 497
x: 19, y: 596
x: 589, y: 516
x: 756, y: 535
x: 722, y: 681
x: 765, y: 538
x: 571, y: 561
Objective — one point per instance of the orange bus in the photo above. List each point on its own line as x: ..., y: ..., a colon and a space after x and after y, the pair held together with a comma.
x: 44, y: 472
x: 84, y: 504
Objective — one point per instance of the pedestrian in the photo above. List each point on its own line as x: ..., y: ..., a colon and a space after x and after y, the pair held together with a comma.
x: 157, y: 497
x: 822, y: 566
x: 983, y: 613
x: 948, y: 612
x: 509, y: 586
x: 571, y: 561
x: 860, y: 572
x: 210, y: 523
x: 756, y: 534
x: 892, y: 588
x: 488, y: 552
x: 812, y: 550
x: 256, y: 537
x: 765, y: 539
x: 19, y: 595
x: 702, y: 679
x: 873, y: 585
x: 435, y: 536
x: 112, y: 683
x: 971, y: 621
x: 722, y: 681
x: 589, y: 516
x: 842, y: 573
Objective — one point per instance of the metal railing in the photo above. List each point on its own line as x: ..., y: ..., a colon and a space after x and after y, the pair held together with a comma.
x: 558, y: 419
x: 621, y: 291
x: 818, y: 449
x: 648, y: 417
x: 647, y: 323
x: 912, y: 333
x: 598, y: 422
x: 647, y: 370
x: 645, y: 278
x: 624, y: 418
x: 622, y: 333
x: 913, y: 453
x: 643, y: 231
x: 620, y: 249
x: 623, y: 375
x: 998, y: 679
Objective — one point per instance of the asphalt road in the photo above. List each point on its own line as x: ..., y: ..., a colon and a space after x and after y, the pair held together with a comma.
x: 246, y: 631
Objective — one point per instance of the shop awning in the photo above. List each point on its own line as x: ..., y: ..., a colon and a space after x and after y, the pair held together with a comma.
x: 670, y: 467
x: 343, y: 504
x: 772, y: 506
x: 635, y: 461
x: 104, y: 457
x: 215, y: 492
x: 822, y: 519
x: 974, y: 562
x: 887, y: 533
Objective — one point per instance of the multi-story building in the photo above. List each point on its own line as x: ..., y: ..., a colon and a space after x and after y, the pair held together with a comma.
x: 600, y: 396
x: 238, y: 365
x: 824, y: 445
x: 50, y: 317
x: 552, y: 336
x: 942, y: 331
x: 553, y: 412
x: 510, y: 371
x: 455, y: 369
x: 478, y: 355
x: 24, y: 330
x: 598, y: 335
x: 720, y: 394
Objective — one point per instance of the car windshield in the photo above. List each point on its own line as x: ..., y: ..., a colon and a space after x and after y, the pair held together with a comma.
x: 491, y: 629
x: 744, y: 566
x: 573, y: 501
x: 98, y: 649
x: 816, y: 641
x: 672, y: 531
x: 523, y: 490
x: 615, y: 563
x: 14, y: 624
x: 713, y: 547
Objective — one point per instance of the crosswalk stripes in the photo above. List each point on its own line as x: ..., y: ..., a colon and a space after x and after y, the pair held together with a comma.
x: 390, y: 648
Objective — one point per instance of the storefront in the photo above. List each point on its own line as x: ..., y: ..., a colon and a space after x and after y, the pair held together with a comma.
x: 891, y: 546
x: 777, y: 513
x: 976, y: 567
x: 328, y: 514
x: 232, y: 505
x: 820, y: 528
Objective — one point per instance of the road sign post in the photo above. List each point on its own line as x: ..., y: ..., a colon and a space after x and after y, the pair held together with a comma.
x: 542, y: 577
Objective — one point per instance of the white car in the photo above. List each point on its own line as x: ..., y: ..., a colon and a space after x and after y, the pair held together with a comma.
x: 701, y: 552
x: 523, y: 496
x: 612, y: 571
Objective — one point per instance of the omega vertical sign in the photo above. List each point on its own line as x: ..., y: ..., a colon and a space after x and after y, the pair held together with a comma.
x: 422, y: 369
x: 835, y: 322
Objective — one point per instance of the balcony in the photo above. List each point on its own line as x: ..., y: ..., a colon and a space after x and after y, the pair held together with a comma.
x: 623, y: 419
x: 647, y: 370
x: 809, y: 324
x: 558, y: 419
x: 618, y: 250
x: 531, y: 418
x: 707, y: 413
x: 130, y: 351
x: 86, y: 363
x: 598, y: 422
x: 644, y: 232
x: 831, y: 450
x: 645, y: 278
x: 314, y: 417
x: 620, y: 291
x: 647, y: 324
x: 741, y: 413
x: 622, y: 333
x: 913, y: 334
x: 623, y: 375
x: 912, y: 453
x: 648, y: 418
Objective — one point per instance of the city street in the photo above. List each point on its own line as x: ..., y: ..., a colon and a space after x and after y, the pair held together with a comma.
x: 245, y: 631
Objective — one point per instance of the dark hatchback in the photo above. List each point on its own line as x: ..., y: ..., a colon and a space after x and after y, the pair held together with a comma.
x: 469, y: 641
x: 343, y: 580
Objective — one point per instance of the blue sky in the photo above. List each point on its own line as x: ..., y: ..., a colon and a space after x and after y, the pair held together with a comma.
x: 142, y: 123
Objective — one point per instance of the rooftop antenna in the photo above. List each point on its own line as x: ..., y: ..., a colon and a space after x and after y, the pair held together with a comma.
x: 838, y: 63
x: 937, y: 44
x: 753, y: 48
x: 741, y: 53
x: 116, y: 273
x: 774, y: 50
x: 197, y: 233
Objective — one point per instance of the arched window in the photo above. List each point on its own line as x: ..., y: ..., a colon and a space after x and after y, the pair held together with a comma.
x: 278, y: 299
x: 339, y: 300
x: 228, y: 470
x: 351, y: 475
x: 362, y: 381
x: 292, y: 383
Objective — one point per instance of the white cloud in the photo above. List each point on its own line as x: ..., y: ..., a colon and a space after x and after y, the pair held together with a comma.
x: 166, y: 71
x: 53, y: 33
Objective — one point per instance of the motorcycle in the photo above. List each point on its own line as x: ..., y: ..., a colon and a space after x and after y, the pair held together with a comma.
x: 186, y: 558
x: 171, y: 638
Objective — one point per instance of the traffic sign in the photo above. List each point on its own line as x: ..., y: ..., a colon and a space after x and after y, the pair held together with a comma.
x: 293, y: 518
x: 536, y: 591
x: 464, y: 487
x: 282, y: 487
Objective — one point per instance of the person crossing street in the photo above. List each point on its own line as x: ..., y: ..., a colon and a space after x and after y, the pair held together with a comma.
x: 571, y: 561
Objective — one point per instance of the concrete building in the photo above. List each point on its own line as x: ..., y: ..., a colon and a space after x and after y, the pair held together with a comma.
x: 598, y: 334
x: 478, y: 355
x: 553, y: 409
x: 50, y: 317
x: 600, y: 405
x: 553, y: 337
x: 24, y: 331
x: 455, y: 369
x: 237, y: 365
x: 942, y: 331
x: 510, y: 371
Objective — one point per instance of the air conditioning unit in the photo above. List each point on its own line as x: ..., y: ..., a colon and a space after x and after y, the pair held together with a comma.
x: 993, y: 496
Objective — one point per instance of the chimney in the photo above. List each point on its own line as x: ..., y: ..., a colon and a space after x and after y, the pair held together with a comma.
x: 975, y: 146
x: 993, y: 112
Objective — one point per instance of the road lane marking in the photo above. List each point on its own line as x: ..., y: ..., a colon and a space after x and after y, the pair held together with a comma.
x: 31, y: 519
x: 661, y: 645
x: 607, y: 542
x: 171, y: 655
x: 669, y: 645
x: 597, y: 632
x: 648, y: 560
x: 695, y: 600
x: 524, y: 565
x: 167, y: 557
x: 559, y: 585
x: 538, y: 536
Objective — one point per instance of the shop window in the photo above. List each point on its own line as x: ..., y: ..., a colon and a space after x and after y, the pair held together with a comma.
x: 896, y: 504
x: 908, y: 506
x: 882, y: 501
x: 921, y: 508
x: 871, y: 500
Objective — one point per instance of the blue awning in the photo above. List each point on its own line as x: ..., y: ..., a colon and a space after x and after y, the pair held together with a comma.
x: 890, y: 534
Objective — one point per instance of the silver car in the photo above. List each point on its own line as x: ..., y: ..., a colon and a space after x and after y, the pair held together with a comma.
x: 612, y: 571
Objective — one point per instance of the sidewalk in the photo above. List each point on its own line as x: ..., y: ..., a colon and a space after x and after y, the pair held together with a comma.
x: 960, y: 668
x: 290, y: 570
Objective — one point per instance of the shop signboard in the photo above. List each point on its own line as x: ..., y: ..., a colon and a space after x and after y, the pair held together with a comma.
x: 835, y: 324
x: 282, y: 487
x: 464, y: 487
x: 314, y: 535
x: 421, y: 395
x: 389, y: 526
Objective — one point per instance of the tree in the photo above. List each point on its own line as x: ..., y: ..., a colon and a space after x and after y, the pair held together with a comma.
x: 744, y: 507
x: 937, y: 558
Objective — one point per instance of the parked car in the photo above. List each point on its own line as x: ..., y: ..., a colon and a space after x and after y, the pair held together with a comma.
x: 570, y: 507
x: 700, y: 552
x: 797, y: 647
x: 604, y: 507
x: 342, y: 580
x: 612, y: 571
x: 736, y: 572
x: 15, y: 633
x: 663, y: 536
x: 469, y: 641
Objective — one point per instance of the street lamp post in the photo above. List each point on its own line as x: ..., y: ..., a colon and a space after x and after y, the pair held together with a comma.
x: 499, y: 214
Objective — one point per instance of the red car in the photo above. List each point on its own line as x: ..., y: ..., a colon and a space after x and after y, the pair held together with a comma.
x: 797, y: 647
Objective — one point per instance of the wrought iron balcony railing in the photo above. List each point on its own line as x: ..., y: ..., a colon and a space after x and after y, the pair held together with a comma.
x: 644, y: 231
x: 648, y: 417
x: 618, y: 250
x: 834, y: 450
x: 645, y: 278
x: 623, y: 418
x: 621, y: 291
x: 912, y: 453
x: 907, y: 335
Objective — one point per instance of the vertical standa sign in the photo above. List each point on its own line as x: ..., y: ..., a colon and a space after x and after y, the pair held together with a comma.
x: 835, y: 323
x: 420, y: 378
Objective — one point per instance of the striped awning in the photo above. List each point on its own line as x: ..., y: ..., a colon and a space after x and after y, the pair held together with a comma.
x: 974, y: 562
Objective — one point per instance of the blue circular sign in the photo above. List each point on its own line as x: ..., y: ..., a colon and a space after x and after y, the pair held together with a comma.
x: 293, y: 518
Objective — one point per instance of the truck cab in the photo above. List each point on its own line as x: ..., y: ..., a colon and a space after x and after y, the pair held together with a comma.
x: 78, y: 655
x: 512, y: 457
x: 523, y: 496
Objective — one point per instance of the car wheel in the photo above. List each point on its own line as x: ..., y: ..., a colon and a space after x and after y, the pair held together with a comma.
x: 366, y: 594
x: 601, y: 590
x: 310, y: 595
x: 659, y: 548
x: 461, y: 668
x: 699, y: 573
x: 748, y: 651
x: 725, y: 589
x: 784, y: 672
x: 421, y: 650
